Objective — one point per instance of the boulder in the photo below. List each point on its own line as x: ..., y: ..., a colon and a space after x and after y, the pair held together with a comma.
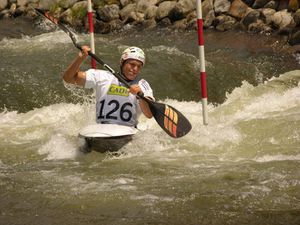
x: 143, y: 5
x: 148, y: 24
x: 293, y: 5
x: 210, y: 17
x: 250, y: 18
x: 224, y: 22
x: 267, y: 15
x: 180, y: 24
x: 221, y: 6
x: 151, y: 12
x: 67, y: 4
x: 108, y: 12
x: 296, y: 17
x: 3, y: 4
x: 165, y: 22
x: 124, y: 12
x: 259, y: 4
x: 295, y: 38
x: 134, y: 17
x: 102, y: 27
x: 181, y: 9
x: 164, y: 9
x: 239, y: 9
x: 46, y: 4
x: 249, y: 2
x: 79, y: 10
x: 282, y: 19
x: 208, y: 13
x: 271, y: 5
x: 126, y: 2
x: 259, y: 27
x: 22, y: 3
x: 282, y: 5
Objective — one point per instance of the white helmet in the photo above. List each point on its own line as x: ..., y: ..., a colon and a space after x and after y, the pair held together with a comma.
x: 133, y: 53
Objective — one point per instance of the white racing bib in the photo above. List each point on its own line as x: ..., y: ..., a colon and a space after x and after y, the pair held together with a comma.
x: 114, y: 103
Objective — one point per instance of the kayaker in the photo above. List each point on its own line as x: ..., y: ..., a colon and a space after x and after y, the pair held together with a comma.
x: 115, y: 103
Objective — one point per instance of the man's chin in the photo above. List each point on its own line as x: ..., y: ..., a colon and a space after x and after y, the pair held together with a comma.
x: 131, y: 77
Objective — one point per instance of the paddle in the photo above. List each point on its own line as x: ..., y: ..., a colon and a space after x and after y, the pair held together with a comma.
x: 168, y: 118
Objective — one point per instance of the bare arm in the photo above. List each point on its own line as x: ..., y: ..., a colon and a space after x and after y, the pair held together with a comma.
x: 73, y: 75
x: 134, y: 89
x: 145, y: 108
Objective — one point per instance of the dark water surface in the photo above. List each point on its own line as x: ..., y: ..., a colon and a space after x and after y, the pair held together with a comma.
x: 243, y: 168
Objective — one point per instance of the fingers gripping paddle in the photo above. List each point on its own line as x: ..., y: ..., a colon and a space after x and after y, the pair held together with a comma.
x: 168, y: 118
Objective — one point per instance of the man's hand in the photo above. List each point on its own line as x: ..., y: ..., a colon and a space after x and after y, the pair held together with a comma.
x: 84, y: 51
x: 135, y: 89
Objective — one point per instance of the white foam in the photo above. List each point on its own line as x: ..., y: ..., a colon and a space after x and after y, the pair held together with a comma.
x: 42, y: 41
x: 279, y: 157
x: 59, y: 147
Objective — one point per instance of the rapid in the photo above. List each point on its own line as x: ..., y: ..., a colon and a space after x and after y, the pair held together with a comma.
x: 242, y: 168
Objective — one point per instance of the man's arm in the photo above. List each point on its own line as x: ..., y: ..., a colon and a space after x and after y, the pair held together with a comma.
x: 134, y: 89
x: 73, y: 75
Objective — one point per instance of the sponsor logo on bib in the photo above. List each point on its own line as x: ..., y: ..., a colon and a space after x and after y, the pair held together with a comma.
x: 118, y: 90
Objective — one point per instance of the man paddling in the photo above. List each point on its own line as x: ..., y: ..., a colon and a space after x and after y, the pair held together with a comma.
x: 115, y: 103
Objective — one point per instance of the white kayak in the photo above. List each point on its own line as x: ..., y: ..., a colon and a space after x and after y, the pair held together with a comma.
x: 106, y: 137
x: 106, y: 131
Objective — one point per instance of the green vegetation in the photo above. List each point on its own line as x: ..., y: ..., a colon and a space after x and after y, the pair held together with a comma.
x: 79, y: 12
x: 54, y: 8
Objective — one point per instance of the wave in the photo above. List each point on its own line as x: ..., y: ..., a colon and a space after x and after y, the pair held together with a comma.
x: 250, y: 115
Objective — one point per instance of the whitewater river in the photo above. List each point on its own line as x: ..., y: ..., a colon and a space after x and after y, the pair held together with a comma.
x: 242, y: 168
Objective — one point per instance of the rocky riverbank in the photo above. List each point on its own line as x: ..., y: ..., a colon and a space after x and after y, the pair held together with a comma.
x: 280, y: 17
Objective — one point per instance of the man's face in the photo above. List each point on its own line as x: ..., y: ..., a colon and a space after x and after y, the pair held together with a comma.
x: 132, y: 68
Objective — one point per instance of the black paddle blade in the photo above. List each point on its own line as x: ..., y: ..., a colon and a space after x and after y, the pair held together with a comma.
x: 170, y: 120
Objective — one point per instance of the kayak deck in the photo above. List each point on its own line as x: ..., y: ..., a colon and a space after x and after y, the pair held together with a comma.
x: 106, y: 137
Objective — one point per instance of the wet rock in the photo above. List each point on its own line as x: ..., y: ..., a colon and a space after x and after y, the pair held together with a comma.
x: 296, y: 17
x: 249, y: 2
x: 250, y: 18
x: 108, y: 12
x: 224, y: 22
x: 67, y: 4
x: 46, y: 4
x: 124, y: 12
x: 295, y: 38
x: 271, y: 5
x: 283, y: 4
x: 282, y: 19
x: 259, y: 27
x: 208, y: 13
x: 151, y: 12
x: 267, y: 15
x: 3, y: 4
x: 164, y: 9
x: 181, y: 9
x: 165, y: 22
x: 143, y: 5
x: 257, y: 16
x: 239, y: 9
x: 294, y: 5
x: 259, y: 4
x: 221, y: 6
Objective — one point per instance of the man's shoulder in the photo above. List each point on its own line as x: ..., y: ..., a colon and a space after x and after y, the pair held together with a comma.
x: 144, y: 83
x: 99, y: 74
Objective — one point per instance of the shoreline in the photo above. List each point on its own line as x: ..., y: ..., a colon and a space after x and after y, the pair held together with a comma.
x: 24, y: 26
x: 274, y: 17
